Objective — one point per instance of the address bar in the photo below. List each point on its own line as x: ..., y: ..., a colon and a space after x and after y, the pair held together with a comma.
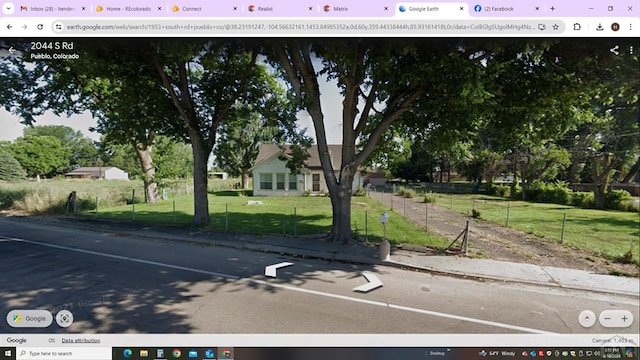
x: 284, y: 27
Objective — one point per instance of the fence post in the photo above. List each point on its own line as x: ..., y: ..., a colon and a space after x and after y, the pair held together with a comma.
x: 508, y: 211
x: 295, y: 222
x: 226, y: 217
x: 405, y: 207
x: 366, y: 225
x: 392, y: 200
x: 564, y: 221
x: 96, y: 215
x: 133, y: 203
x: 426, y: 216
x: 474, y: 204
x: 466, y: 238
x: 451, y: 207
x: 174, y: 211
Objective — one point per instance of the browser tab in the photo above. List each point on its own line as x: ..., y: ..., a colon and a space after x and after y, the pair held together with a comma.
x: 432, y: 10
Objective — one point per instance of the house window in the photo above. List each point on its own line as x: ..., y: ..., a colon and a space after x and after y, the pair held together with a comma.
x: 315, y: 182
x: 293, y: 185
x: 280, y: 181
x: 266, y: 181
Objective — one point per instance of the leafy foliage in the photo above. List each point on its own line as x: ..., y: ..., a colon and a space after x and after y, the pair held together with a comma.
x: 10, y: 168
x: 40, y: 155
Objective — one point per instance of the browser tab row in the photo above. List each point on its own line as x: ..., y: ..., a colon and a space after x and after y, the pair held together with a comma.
x: 330, y: 8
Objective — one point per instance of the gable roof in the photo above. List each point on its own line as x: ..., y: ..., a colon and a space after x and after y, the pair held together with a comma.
x: 269, y: 151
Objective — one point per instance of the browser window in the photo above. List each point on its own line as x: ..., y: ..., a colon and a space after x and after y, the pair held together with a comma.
x: 303, y: 180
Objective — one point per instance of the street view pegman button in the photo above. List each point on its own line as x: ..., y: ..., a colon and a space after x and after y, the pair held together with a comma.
x: 29, y: 318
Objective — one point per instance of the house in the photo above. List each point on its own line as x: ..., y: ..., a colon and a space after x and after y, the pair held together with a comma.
x: 271, y: 177
x: 98, y: 172
x: 218, y: 175
x: 376, y: 178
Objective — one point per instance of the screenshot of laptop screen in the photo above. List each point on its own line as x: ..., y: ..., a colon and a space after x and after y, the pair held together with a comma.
x: 302, y: 180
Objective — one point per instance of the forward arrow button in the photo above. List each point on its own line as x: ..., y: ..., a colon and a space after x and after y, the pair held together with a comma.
x: 373, y: 280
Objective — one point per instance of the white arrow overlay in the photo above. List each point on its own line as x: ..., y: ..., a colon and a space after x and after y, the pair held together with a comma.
x: 373, y: 280
x: 271, y: 269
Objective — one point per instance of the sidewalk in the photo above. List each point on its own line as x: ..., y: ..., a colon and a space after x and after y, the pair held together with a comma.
x: 359, y: 253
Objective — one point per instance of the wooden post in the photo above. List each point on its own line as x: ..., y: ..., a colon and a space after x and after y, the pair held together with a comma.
x: 96, y: 214
x: 366, y: 225
x: 133, y: 204
x: 174, y: 211
x: 295, y: 222
x: 466, y: 238
x: 226, y: 216
x: 508, y: 210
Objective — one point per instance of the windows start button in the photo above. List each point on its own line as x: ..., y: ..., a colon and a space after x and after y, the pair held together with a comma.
x: 29, y: 318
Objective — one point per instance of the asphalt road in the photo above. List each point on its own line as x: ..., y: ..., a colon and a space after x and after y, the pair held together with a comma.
x: 124, y: 284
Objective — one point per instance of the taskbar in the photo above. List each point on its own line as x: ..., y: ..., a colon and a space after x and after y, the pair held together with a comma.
x: 323, y: 353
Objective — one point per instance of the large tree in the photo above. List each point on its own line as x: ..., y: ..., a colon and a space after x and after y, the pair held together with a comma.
x: 121, y: 91
x: 381, y: 82
x: 40, y: 155
x: 239, y: 144
x: 211, y: 83
x: 83, y: 150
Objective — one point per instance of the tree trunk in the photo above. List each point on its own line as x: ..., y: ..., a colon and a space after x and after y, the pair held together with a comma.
x: 341, y: 205
x: 601, y: 173
x: 633, y: 172
x: 200, y: 181
x: 148, y: 173
x: 514, y: 184
x: 245, y: 179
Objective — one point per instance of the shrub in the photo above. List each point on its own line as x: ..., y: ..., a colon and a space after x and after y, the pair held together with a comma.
x: 617, y: 199
x: 407, y: 193
x: 360, y: 191
x: 10, y: 168
x: 556, y: 193
x: 429, y: 198
x: 582, y: 199
x: 500, y: 190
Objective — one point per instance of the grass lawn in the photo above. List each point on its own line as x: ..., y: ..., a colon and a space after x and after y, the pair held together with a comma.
x: 276, y: 216
x: 609, y: 233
